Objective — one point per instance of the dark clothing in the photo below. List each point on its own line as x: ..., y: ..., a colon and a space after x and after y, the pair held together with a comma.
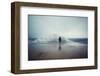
x: 59, y: 39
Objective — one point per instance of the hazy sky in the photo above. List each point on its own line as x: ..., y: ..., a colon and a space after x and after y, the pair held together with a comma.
x: 66, y: 26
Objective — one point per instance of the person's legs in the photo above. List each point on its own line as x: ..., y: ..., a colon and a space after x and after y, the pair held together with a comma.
x: 59, y: 45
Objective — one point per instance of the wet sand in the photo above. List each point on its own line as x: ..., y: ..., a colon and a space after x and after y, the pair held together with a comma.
x: 47, y: 51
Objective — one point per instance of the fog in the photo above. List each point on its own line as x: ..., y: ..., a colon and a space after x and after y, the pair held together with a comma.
x: 53, y: 26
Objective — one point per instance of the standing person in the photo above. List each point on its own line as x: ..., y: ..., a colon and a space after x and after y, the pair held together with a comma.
x: 60, y: 40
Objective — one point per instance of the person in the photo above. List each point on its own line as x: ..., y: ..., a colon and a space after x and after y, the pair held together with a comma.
x: 60, y: 40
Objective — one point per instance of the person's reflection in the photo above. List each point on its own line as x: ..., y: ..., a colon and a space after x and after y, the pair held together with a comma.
x: 60, y: 40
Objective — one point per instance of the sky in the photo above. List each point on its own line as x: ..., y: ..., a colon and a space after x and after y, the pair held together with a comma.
x: 41, y: 26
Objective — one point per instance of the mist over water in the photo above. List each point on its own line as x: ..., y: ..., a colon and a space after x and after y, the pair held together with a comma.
x: 55, y: 26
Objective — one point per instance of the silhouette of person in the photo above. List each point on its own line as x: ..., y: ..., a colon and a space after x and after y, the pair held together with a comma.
x: 60, y: 40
